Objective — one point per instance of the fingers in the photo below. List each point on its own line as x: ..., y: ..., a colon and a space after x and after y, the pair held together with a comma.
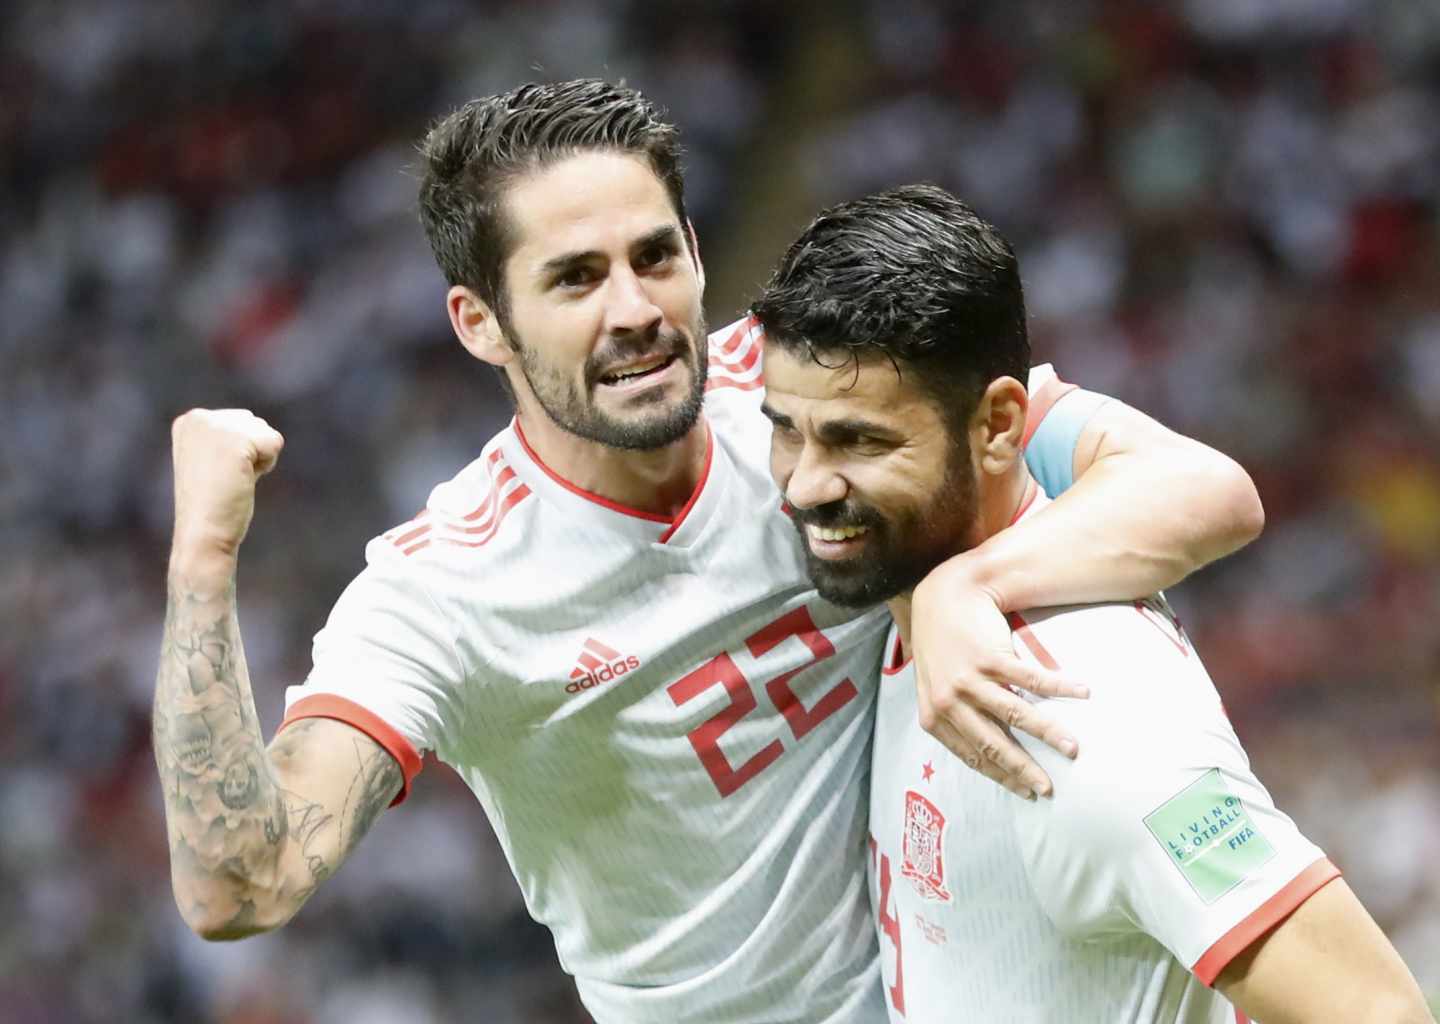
x: 268, y: 443
x: 1042, y: 682
x: 1024, y: 784
x: 981, y: 742
x: 211, y: 433
x: 1017, y: 713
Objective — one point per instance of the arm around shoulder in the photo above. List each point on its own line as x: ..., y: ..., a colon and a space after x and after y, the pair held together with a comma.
x: 1148, y: 507
x: 1208, y: 494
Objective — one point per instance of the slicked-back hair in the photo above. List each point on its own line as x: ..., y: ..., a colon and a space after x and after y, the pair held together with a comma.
x: 475, y: 153
x: 911, y: 275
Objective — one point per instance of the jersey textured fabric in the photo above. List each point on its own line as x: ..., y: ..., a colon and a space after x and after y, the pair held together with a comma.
x: 667, y: 727
x: 1159, y: 857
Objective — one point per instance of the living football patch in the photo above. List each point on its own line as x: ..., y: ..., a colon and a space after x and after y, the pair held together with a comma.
x: 1208, y: 835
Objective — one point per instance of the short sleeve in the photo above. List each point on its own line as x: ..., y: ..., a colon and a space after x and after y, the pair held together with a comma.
x: 384, y: 662
x: 1159, y: 826
x: 1058, y: 414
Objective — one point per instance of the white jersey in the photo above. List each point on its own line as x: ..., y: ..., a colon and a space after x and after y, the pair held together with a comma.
x: 667, y: 727
x: 1159, y: 858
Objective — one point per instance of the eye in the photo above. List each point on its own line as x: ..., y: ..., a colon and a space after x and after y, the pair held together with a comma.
x: 576, y: 277
x: 654, y: 256
x: 786, y: 433
x: 863, y: 445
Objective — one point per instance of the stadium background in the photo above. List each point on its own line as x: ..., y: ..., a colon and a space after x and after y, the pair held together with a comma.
x: 1226, y: 213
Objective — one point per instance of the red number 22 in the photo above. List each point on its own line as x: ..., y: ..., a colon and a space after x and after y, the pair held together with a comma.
x: 721, y: 670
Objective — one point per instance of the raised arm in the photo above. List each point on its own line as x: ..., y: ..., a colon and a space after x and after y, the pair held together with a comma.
x: 251, y: 831
x: 1148, y: 507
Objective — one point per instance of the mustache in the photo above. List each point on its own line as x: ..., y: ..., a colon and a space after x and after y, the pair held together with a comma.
x: 655, y: 343
x: 836, y: 515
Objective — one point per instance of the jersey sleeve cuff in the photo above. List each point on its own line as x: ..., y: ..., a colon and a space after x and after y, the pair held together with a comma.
x: 325, y: 705
x: 1265, y: 917
x: 1041, y: 403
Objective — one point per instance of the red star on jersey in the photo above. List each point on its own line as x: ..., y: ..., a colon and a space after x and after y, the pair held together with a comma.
x: 927, y: 771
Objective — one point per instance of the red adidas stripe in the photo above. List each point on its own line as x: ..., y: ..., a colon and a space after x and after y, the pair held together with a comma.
x: 390, y: 534
x: 491, y: 512
x: 495, y: 457
x: 512, y: 499
x: 490, y: 505
x: 486, y: 504
x: 743, y: 365
x: 737, y: 337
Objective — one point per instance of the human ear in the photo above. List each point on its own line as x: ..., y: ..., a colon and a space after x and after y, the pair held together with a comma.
x: 998, y: 428
x: 477, y: 326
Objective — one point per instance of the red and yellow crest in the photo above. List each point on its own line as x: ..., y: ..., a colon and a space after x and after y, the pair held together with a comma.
x: 923, y: 847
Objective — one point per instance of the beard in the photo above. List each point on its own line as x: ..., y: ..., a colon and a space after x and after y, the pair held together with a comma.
x: 657, y: 423
x: 901, y: 548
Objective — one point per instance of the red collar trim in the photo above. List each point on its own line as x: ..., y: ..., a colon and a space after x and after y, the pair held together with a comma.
x: 1032, y: 489
x: 699, y: 487
x: 615, y: 506
x: 895, y: 664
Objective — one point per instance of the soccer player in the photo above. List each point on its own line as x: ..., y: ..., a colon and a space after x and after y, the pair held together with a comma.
x: 604, y: 622
x: 1160, y: 866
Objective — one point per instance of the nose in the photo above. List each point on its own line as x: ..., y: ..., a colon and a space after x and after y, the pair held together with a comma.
x: 630, y: 308
x: 814, y: 480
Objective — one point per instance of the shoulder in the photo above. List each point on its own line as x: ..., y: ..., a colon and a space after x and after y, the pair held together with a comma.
x: 1152, y: 709
x: 736, y: 357
x: 1151, y: 703
x: 1152, y: 724
x: 1125, y: 640
x: 466, y: 513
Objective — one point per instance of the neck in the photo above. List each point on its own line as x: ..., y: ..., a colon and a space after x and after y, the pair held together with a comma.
x: 1002, y: 501
x: 659, y: 481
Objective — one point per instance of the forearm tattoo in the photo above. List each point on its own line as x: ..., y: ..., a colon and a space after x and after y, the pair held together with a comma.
x: 223, y: 810
x: 231, y: 825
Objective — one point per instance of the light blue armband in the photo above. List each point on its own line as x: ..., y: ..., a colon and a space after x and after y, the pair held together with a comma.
x: 1050, y: 454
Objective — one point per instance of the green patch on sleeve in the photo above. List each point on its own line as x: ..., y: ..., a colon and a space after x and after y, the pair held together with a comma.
x: 1206, y: 832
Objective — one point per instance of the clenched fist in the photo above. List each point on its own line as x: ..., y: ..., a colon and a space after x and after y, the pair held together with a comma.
x: 219, y: 454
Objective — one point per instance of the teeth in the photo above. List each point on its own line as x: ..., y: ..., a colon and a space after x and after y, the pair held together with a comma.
x: 636, y: 370
x: 843, y: 533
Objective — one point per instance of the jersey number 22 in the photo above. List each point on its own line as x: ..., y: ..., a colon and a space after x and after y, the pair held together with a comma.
x: 721, y: 670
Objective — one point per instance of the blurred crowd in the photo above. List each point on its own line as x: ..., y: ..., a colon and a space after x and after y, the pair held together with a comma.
x: 1226, y: 213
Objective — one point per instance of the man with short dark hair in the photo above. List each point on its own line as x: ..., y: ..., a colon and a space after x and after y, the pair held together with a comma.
x: 603, y: 623
x: 1160, y: 867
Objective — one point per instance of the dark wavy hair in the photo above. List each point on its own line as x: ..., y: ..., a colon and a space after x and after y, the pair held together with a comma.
x: 912, y: 275
x: 473, y: 154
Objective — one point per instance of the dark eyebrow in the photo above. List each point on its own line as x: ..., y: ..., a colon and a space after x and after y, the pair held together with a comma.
x: 833, y: 431
x: 666, y: 233
x: 774, y: 417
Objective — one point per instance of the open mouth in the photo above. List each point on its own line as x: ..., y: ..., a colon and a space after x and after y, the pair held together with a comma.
x: 832, y: 542
x: 837, y: 533
x: 639, y: 372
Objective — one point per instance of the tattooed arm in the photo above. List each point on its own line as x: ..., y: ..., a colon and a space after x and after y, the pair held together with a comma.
x: 251, y: 831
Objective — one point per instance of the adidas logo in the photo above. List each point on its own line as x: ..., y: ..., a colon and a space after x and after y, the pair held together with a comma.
x: 598, y: 664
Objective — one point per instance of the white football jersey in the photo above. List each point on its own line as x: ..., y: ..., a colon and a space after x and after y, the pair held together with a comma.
x: 1159, y: 858
x: 667, y: 727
